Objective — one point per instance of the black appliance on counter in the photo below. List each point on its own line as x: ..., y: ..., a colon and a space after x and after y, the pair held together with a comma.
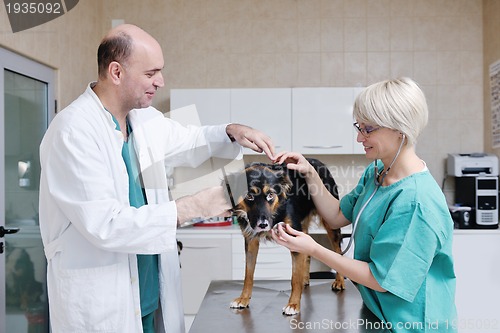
x: 476, y: 186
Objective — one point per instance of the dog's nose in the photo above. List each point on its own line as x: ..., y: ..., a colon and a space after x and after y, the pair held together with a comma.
x: 263, y: 225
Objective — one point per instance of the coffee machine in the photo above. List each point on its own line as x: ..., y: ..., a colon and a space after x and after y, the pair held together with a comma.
x: 476, y: 186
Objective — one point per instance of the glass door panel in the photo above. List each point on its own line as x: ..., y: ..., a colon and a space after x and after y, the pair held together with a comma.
x: 25, y: 118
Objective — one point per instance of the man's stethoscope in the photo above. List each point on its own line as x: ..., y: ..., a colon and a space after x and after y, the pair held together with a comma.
x: 377, y: 185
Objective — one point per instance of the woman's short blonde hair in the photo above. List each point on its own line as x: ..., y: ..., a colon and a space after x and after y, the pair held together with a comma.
x: 397, y: 104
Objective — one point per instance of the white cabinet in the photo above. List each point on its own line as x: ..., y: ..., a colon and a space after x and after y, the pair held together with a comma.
x: 307, y: 120
x: 322, y: 120
x: 477, y: 267
x: 358, y: 147
x: 267, y: 110
x: 213, y: 105
x: 204, y: 258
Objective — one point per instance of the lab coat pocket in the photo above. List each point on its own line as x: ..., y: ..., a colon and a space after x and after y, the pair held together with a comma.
x: 93, y: 298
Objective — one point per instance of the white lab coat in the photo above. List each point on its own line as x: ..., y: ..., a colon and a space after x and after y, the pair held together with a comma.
x: 91, y: 234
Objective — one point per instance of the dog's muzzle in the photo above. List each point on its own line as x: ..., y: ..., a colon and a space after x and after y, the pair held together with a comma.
x: 262, y: 225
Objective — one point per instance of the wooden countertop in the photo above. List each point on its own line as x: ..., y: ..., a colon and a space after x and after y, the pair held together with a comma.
x: 322, y: 310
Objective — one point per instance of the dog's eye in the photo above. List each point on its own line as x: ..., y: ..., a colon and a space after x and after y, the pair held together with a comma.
x: 270, y: 196
x: 249, y: 197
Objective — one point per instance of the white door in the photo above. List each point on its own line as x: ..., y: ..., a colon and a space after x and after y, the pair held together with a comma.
x: 26, y: 106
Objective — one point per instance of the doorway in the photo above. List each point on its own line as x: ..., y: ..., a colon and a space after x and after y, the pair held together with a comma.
x: 26, y: 106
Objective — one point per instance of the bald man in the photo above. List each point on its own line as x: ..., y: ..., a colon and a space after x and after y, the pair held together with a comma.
x: 106, y: 219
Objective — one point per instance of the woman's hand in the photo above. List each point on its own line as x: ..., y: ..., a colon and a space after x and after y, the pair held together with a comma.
x: 292, y: 239
x: 295, y: 161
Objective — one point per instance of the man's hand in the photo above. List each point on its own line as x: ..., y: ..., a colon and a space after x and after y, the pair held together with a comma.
x: 206, y: 203
x: 251, y: 138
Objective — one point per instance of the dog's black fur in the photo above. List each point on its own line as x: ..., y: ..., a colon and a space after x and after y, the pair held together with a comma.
x: 273, y: 194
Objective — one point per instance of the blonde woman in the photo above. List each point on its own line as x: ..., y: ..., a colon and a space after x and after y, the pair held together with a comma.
x: 402, y: 263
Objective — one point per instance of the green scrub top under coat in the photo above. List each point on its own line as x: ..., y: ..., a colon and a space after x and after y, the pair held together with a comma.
x: 405, y: 235
x: 147, y: 265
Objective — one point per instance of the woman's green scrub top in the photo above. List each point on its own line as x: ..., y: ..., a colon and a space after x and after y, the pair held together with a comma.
x: 405, y: 235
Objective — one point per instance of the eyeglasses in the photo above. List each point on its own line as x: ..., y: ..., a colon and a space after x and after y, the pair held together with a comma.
x: 366, y: 130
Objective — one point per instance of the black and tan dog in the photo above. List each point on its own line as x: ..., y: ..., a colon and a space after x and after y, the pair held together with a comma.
x: 276, y: 194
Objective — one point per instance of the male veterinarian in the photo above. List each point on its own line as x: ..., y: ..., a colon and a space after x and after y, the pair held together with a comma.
x: 107, y: 223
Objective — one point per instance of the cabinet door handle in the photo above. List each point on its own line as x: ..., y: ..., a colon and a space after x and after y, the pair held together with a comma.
x: 323, y: 147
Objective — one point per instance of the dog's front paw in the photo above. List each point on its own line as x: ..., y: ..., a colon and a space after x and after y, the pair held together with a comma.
x: 338, y: 285
x: 291, y: 309
x: 240, y: 303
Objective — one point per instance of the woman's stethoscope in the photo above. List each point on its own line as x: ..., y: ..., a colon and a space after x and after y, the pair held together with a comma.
x: 378, y: 183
